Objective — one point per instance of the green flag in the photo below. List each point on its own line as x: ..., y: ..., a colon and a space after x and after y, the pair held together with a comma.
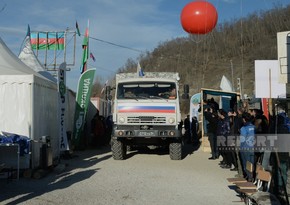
x: 78, y: 30
x: 82, y: 101
x: 85, y: 46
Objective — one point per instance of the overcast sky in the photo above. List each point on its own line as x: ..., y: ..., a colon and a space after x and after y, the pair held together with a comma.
x: 137, y: 24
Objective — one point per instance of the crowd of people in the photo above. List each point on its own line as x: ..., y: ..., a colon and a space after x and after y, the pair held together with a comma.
x: 244, y: 125
x: 101, y: 130
x: 191, y: 130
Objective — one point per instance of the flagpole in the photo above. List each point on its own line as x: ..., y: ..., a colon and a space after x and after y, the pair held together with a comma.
x: 46, y: 46
x: 88, y: 48
x: 83, y: 94
x: 85, y: 46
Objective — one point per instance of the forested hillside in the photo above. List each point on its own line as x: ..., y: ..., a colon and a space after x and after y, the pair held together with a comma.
x: 230, y: 50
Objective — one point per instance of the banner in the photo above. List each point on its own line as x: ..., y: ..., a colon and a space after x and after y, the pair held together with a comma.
x: 62, y: 98
x: 194, y: 106
x: 47, y: 40
x: 267, y: 83
x: 82, y: 101
x: 140, y: 72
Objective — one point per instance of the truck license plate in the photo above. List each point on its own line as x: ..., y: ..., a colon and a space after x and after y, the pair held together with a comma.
x: 146, y: 133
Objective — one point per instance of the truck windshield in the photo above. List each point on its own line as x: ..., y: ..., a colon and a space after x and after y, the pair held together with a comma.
x: 146, y: 90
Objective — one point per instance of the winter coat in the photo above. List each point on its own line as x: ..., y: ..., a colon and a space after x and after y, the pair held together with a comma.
x: 247, y: 137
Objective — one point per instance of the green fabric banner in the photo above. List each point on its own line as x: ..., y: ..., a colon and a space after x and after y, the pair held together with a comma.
x: 82, y: 101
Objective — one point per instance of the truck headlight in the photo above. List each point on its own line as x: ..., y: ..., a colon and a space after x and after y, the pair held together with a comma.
x: 171, y: 120
x: 121, y: 120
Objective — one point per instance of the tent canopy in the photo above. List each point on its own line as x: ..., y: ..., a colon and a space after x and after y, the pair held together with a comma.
x: 28, y: 57
x: 218, y: 92
x: 12, y: 69
x: 10, y: 64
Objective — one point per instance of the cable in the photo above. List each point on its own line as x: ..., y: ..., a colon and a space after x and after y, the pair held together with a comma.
x: 101, y: 68
x: 242, y: 49
x: 118, y: 45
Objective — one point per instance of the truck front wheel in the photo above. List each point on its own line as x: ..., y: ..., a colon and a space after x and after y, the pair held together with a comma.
x: 118, y: 149
x: 175, y: 150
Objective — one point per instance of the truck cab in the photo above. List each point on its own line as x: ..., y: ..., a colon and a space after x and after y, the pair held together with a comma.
x: 146, y: 112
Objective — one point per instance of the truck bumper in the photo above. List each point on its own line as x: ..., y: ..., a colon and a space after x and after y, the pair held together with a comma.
x: 147, y: 133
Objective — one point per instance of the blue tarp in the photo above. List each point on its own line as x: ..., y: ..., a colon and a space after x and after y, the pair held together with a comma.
x: 24, y: 142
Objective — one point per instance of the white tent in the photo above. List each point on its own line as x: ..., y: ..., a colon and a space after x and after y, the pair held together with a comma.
x: 226, y: 85
x: 28, y: 57
x: 28, y: 103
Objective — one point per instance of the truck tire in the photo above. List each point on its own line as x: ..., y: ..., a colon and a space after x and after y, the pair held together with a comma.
x: 118, y: 149
x: 129, y: 148
x: 175, y: 151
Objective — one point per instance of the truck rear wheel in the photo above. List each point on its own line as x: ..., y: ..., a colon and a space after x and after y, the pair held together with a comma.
x: 175, y: 151
x: 118, y: 149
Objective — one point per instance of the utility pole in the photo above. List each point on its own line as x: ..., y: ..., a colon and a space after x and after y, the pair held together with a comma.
x: 239, y: 86
x: 232, y: 70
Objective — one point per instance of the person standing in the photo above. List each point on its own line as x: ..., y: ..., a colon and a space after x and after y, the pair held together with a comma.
x: 194, y: 130
x: 261, y: 128
x: 281, y: 161
x: 214, y: 104
x: 237, y: 123
x: 247, y: 140
x: 212, y: 119
x: 205, y: 106
x: 187, y: 129
x: 223, y: 129
x: 98, y: 130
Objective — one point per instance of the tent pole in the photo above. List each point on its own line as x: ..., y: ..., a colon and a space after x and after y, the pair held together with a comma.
x: 32, y: 127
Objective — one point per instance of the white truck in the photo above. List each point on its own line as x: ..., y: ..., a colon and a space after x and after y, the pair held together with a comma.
x: 146, y: 112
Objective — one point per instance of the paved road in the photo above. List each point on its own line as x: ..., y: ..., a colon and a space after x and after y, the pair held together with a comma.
x: 146, y: 177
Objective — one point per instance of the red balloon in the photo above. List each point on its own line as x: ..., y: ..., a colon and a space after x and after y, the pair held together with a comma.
x: 198, y: 17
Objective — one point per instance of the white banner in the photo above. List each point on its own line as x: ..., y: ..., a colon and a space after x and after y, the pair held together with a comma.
x: 267, y: 80
x: 62, y: 98
x: 194, y: 106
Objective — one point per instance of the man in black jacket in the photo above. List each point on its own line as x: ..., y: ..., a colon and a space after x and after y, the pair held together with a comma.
x: 187, y: 129
x: 212, y: 119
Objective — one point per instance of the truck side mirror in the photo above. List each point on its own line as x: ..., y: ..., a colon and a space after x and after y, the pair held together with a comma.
x: 186, y: 88
x: 185, y: 96
x: 108, y: 90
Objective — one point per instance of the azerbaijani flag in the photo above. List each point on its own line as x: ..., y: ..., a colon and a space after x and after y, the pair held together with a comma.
x: 47, y: 40
x: 85, y: 46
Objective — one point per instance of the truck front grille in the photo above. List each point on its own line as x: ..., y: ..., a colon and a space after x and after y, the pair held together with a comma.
x: 147, y: 119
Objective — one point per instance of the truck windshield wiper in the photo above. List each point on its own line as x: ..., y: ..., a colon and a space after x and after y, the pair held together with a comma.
x: 143, y: 97
x: 135, y: 98
x: 158, y: 97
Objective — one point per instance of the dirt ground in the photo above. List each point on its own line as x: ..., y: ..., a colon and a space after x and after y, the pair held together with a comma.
x: 145, y: 177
